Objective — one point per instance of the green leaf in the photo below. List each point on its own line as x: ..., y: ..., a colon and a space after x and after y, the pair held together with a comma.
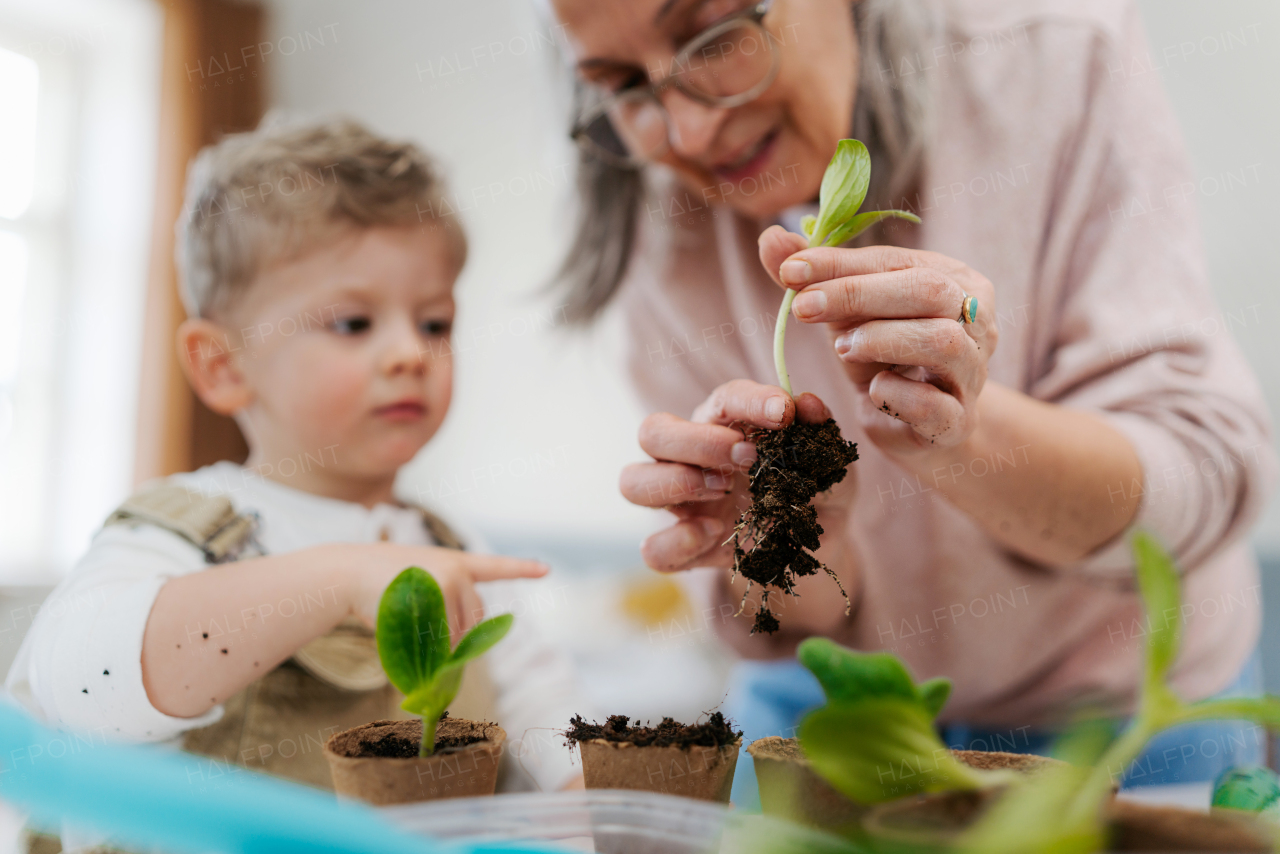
x: 844, y: 186
x: 1161, y: 599
x: 1036, y: 815
x: 861, y: 222
x: 848, y: 675
x: 481, y: 637
x: 934, y: 693
x: 806, y: 224
x: 1258, y: 710
x: 876, y: 750
x: 413, y: 629
x: 434, y: 697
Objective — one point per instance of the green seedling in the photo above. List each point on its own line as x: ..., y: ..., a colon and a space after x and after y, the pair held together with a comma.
x: 844, y: 187
x: 875, y: 740
x: 413, y: 644
x: 1062, y: 811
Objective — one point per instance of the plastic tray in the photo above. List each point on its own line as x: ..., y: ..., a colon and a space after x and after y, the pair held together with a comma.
x: 612, y: 822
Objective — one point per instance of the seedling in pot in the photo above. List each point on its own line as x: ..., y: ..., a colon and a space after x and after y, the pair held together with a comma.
x: 413, y: 644
x: 401, y: 761
x: 874, y: 740
x: 793, y: 465
x: 1066, y: 811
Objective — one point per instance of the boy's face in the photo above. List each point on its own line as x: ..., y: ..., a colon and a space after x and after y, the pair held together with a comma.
x: 347, y: 354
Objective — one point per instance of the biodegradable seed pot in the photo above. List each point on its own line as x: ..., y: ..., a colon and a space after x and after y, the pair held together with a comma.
x: 790, y: 788
x: 380, y: 762
x: 689, y: 760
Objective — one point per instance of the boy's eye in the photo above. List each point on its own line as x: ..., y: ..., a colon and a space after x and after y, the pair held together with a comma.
x: 436, y: 327
x: 351, y: 325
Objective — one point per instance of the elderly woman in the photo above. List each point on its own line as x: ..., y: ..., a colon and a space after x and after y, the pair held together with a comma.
x: 1005, y: 457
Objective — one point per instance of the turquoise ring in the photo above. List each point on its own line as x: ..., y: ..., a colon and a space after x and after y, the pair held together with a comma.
x: 969, y: 309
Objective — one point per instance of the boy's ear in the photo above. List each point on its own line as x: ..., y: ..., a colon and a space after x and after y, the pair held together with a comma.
x: 208, y: 360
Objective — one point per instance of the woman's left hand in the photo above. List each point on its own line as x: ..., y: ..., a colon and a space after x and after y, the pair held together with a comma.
x: 893, y: 314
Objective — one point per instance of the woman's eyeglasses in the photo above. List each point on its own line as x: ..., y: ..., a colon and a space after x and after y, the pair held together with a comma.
x: 727, y: 64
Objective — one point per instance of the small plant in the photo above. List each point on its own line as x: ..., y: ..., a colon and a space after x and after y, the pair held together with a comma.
x: 1062, y: 810
x: 795, y: 464
x: 844, y: 188
x: 413, y: 644
x: 875, y: 740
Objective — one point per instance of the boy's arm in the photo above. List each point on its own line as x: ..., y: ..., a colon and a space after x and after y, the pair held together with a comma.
x: 211, y: 633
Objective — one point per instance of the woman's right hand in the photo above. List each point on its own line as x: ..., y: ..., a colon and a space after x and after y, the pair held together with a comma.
x: 699, y: 469
x: 371, y: 567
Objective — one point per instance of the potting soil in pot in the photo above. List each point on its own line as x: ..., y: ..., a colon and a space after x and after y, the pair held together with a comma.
x: 379, y: 762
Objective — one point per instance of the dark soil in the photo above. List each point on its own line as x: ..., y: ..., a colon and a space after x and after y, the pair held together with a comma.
x: 402, y: 739
x: 716, y: 732
x: 781, y: 528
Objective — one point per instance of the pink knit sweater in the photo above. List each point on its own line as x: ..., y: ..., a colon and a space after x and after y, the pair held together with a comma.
x: 1057, y: 170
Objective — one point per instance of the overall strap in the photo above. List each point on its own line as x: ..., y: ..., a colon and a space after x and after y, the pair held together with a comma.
x: 440, y: 530
x: 208, y: 522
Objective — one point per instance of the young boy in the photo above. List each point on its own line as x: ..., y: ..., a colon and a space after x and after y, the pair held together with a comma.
x: 231, y: 606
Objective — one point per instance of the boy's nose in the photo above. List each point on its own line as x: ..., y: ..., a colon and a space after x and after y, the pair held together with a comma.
x: 404, y: 353
x: 693, y: 126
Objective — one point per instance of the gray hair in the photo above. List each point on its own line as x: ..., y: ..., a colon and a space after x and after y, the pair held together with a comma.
x: 892, y: 116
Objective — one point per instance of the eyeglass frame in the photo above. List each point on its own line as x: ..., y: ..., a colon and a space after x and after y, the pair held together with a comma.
x: 754, y: 14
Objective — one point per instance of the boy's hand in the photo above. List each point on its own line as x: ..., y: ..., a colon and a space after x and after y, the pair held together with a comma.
x: 372, y: 567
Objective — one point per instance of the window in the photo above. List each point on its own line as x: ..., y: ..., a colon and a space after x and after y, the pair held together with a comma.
x: 79, y: 93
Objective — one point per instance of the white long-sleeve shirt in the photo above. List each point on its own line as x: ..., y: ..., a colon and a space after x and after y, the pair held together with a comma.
x: 80, y: 666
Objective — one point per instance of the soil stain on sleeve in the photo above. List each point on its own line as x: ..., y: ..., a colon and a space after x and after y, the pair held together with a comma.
x: 775, y: 537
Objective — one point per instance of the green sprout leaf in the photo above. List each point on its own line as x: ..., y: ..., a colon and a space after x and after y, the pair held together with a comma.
x: 844, y: 186
x: 863, y: 221
x: 806, y: 224
x: 880, y: 749
x: 413, y: 629
x: 413, y: 644
x: 934, y: 694
x: 478, y: 641
x: 848, y: 675
x: 874, y: 740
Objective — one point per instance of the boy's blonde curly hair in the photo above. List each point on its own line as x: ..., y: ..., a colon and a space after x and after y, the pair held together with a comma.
x: 261, y: 197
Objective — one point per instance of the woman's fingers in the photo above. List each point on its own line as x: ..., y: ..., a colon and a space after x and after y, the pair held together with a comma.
x: 914, y: 292
x: 679, y: 546
x: 810, y: 266
x: 748, y: 403
x: 940, y: 346
x: 663, y: 484
x: 663, y: 436
x: 776, y: 245
x: 934, y: 415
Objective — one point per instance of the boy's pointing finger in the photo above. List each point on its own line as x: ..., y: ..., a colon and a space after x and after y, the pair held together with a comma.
x: 499, y: 568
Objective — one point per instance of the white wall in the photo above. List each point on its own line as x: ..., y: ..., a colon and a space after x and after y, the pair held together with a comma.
x: 1220, y: 62
x: 541, y: 422
x: 446, y: 73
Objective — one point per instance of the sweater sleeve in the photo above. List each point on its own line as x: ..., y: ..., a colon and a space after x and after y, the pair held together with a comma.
x: 80, y: 666
x: 1135, y: 334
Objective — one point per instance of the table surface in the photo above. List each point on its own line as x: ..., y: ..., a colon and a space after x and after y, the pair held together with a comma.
x: 1190, y: 795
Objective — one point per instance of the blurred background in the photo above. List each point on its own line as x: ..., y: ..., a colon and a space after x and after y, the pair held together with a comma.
x: 102, y: 102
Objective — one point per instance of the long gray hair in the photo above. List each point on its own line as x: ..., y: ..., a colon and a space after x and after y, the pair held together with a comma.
x: 892, y: 116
